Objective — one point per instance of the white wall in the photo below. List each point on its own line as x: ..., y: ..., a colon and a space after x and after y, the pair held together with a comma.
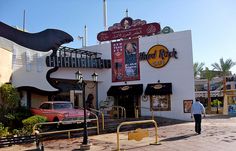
x: 179, y: 71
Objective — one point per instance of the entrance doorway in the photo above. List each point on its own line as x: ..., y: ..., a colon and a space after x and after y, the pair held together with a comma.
x: 129, y: 102
x: 127, y: 96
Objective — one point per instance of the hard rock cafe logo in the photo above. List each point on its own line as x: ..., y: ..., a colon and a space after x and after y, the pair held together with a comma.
x: 125, y: 88
x: 157, y: 86
x: 158, y: 56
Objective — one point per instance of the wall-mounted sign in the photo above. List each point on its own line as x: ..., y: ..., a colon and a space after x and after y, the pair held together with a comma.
x: 187, y: 105
x: 167, y: 30
x: 160, y: 102
x: 129, y: 28
x: 125, y: 60
x: 157, y: 86
x: 158, y: 56
x: 125, y: 88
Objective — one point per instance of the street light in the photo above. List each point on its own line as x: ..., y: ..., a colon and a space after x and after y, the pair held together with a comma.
x: 78, y: 75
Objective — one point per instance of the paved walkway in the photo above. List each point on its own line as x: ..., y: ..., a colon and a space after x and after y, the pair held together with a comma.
x: 218, y: 134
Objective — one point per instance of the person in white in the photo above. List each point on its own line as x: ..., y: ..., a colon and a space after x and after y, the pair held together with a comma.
x: 196, y: 111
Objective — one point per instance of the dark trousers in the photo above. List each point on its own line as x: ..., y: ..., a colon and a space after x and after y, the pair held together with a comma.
x: 198, y: 120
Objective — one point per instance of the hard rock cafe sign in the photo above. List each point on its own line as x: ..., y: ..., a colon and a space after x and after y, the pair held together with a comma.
x: 129, y: 28
x: 158, y: 56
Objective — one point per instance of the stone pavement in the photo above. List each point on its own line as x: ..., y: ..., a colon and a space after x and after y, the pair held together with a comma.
x: 218, y: 134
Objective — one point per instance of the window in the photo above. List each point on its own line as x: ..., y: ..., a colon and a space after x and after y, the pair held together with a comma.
x: 59, y: 106
x: 46, y: 106
x: 160, y: 102
x: 228, y: 87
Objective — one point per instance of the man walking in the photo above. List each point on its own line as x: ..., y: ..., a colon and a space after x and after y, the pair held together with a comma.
x: 197, y: 110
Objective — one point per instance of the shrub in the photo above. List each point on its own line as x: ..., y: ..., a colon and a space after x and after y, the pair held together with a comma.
x: 30, y: 122
x: 10, y: 101
x: 13, y: 120
x: 10, y: 97
x: 3, y: 130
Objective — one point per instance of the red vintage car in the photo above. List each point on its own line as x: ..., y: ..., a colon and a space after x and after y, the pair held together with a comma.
x: 59, y: 111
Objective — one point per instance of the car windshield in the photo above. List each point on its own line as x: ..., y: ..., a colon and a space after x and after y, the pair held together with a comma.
x: 58, y: 106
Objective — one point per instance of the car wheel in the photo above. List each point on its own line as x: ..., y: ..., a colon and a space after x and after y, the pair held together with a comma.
x: 55, y: 119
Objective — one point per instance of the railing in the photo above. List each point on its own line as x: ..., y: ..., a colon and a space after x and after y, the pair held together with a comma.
x: 117, y: 109
x: 37, y: 133
x: 123, y: 111
x: 139, y: 107
x: 13, y: 140
x: 102, y: 114
x: 66, y: 122
x: 137, y: 135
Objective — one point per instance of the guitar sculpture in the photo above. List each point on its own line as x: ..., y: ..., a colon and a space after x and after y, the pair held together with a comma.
x: 29, y: 55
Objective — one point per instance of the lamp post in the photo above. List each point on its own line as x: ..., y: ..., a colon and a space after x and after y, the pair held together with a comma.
x: 78, y: 75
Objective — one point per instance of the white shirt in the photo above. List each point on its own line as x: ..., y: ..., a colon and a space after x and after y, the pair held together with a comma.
x: 197, y: 108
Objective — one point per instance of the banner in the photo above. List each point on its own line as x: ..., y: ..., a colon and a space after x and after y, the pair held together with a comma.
x: 125, y: 60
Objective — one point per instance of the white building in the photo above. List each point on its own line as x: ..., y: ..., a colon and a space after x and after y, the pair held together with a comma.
x: 167, y: 88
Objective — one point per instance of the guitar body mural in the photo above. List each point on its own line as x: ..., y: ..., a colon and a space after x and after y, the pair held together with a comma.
x: 29, y: 52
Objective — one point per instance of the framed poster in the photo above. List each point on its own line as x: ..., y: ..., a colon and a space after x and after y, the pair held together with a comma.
x: 160, y: 102
x: 187, y: 105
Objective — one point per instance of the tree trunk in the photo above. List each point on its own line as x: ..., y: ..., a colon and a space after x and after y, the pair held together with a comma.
x: 224, y: 89
x: 209, y: 97
x: 224, y: 86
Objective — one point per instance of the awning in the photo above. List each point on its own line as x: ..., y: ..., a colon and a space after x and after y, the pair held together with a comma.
x: 158, y: 89
x: 136, y: 89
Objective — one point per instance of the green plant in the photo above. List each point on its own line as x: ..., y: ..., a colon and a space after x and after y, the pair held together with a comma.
x: 30, y: 122
x: 13, y: 120
x: 22, y: 113
x: 3, y: 130
x: 10, y: 97
x: 216, y: 103
x: 198, y: 68
x: 10, y: 100
x: 224, y: 68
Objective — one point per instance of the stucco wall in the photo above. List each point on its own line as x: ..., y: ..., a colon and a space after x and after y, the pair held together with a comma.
x: 5, y: 65
x: 36, y: 100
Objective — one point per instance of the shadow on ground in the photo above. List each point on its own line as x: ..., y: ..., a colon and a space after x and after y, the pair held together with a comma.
x: 178, y: 137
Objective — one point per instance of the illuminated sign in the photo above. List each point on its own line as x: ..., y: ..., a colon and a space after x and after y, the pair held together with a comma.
x: 158, y: 56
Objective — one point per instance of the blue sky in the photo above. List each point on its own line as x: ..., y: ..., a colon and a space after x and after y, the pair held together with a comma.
x: 212, y: 22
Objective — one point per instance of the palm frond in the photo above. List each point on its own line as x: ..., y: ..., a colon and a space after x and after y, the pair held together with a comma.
x: 224, y: 66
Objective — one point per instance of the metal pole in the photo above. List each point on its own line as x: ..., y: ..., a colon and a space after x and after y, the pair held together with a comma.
x: 126, y: 13
x: 85, y: 135
x: 24, y: 21
x: 82, y: 42
x: 85, y: 36
x: 105, y: 14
